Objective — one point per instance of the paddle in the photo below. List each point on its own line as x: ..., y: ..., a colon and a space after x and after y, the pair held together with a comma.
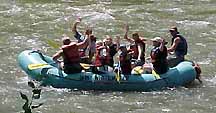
x: 40, y: 65
x: 86, y: 66
x: 118, y: 73
x: 52, y: 43
x: 155, y: 74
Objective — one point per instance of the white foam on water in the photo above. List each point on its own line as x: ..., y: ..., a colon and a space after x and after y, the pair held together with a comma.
x: 201, y: 44
x: 22, y: 80
x: 59, y: 90
x: 211, y: 82
x: 194, y: 23
x: 95, y: 16
x: 166, y: 110
x: 205, y: 61
x: 14, y: 10
x: 178, y: 10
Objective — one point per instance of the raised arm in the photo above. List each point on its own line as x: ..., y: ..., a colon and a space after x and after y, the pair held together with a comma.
x: 84, y: 43
x: 126, y: 34
x: 140, y: 50
x: 117, y: 42
x: 74, y: 27
x: 162, y: 43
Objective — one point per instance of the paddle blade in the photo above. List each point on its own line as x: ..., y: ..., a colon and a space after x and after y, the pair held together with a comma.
x: 52, y: 43
x: 85, y: 66
x: 118, y: 77
x: 155, y: 74
x: 36, y: 66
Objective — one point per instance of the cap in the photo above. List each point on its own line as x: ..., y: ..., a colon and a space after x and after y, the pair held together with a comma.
x: 156, y: 39
x: 99, y: 42
x: 173, y: 28
x: 122, y: 46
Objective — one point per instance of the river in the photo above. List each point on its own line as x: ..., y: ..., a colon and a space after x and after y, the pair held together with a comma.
x: 27, y: 24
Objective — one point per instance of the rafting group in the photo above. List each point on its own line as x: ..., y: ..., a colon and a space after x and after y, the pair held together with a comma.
x: 99, y: 54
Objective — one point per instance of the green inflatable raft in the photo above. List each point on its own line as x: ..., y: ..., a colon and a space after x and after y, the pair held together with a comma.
x: 42, y: 68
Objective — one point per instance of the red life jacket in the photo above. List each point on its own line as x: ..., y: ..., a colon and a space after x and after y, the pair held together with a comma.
x: 71, y: 53
x: 98, y: 58
x: 135, y: 52
x: 107, y: 57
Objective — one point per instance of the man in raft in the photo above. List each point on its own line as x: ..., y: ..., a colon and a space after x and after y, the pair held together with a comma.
x: 125, y: 60
x: 139, y: 51
x: 87, y: 53
x: 178, y: 46
x: 111, y: 49
x: 159, y: 55
x: 70, y: 53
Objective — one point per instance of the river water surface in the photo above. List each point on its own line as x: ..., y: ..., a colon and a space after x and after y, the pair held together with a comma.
x: 27, y: 24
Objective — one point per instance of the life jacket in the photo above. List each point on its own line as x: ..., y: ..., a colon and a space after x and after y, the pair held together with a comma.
x: 98, y: 56
x: 102, y: 56
x: 159, y: 60
x: 125, y: 63
x: 71, y: 53
x: 111, y: 49
x: 136, y: 51
x: 182, y: 47
x: 107, y: 56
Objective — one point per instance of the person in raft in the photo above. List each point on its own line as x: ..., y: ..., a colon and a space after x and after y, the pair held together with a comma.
x: 100, y: 56
x: 159, y: 55
x: 87, y: 53
x: 111, y: 49
x: 70, y: 53
x: 125, y: 60
x: 139, y: 51
x: 179, y: 46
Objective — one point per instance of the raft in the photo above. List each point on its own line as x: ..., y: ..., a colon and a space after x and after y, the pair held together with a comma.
x: 49, y: 74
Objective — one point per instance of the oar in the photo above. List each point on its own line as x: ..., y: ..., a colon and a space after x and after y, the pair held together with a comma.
x: 86, y: 66
x: 118, y: 73
x: 52, y: 43
x: 38, y: 66
x: 155, y: 74
x: 41, y: 65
